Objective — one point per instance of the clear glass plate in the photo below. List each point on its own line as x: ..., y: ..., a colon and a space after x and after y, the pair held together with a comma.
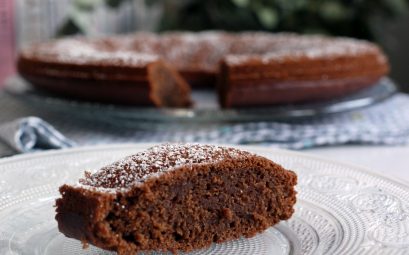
x: 340, y: 209
x: 206, y: 107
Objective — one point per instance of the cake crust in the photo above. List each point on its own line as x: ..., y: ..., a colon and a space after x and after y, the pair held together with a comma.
x: 176, y: 197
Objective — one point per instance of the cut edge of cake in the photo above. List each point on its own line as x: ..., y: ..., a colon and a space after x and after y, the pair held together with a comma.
x: 167, y: 87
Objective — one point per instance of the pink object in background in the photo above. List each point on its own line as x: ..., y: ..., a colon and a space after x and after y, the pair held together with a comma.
x: 7, y: 49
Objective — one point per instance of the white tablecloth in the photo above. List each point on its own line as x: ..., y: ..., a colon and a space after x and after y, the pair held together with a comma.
x: 390, y: 161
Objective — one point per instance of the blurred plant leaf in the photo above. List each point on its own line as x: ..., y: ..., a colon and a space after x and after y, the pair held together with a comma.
x: 333, y: 11
x: 396, y: 6
x: 241, y: 3
x: 268, y: 17
x: 298, y: 4
x: 86, y: 5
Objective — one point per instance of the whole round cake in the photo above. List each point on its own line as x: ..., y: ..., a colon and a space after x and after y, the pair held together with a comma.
x: 250, y: 68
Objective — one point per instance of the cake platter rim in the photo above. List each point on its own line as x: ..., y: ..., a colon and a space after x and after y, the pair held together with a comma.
x: 19, y: 89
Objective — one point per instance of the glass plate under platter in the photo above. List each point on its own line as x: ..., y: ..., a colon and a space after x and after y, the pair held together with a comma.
x: 206, y: 108
x: 340, y: 209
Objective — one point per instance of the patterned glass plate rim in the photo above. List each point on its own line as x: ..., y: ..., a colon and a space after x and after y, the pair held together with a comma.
x: 205, y: 110
x: 341, y: 209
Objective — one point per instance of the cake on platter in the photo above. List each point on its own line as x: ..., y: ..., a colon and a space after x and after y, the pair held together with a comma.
x: 248, y: 68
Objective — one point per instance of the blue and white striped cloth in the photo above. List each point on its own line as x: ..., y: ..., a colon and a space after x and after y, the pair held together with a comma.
x: 384, y: 123
x: 32, y: 134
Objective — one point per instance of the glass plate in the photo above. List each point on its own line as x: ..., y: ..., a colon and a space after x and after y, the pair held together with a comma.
x: 340, y: 209
x: 206, y: 108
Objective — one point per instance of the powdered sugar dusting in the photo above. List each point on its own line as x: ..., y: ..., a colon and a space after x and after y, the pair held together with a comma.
x: 198, y: 51
x: 135, y: 169
x: 80, y: 51
x: 310, y: 47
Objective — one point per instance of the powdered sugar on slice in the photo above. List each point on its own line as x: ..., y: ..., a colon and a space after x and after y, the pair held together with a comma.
x: 137, y: 168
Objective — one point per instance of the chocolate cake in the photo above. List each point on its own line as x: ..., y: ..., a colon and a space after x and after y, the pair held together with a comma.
x: 250, y: 68
x: 300, y: 69
x: 96, y: 71
x: 176, y: 197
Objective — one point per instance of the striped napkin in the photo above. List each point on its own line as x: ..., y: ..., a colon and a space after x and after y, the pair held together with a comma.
x: 32, y: 134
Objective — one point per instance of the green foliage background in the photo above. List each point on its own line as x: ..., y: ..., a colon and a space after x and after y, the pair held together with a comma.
x: 356, y: 18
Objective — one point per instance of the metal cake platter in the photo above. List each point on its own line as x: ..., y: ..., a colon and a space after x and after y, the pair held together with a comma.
x: 206, y: 108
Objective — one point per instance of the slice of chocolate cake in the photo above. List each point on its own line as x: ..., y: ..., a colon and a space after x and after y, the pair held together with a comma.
x: 167, y: 87
x: 176, y: 197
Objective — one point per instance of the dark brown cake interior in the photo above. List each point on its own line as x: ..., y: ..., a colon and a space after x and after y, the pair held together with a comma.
x: 181, y: 210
